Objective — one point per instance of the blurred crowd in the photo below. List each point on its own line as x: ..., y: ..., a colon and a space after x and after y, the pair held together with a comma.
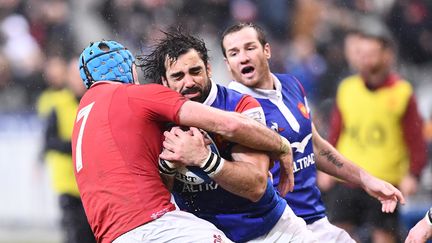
x: 308, y: 35
x: 40, y: 40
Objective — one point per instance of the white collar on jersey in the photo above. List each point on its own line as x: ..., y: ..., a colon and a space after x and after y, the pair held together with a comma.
x: 273, y: 95
x: 259, y: 93
x: 212, y: 94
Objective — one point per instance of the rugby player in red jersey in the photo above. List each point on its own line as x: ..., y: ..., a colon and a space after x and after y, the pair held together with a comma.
x: 117, y: 140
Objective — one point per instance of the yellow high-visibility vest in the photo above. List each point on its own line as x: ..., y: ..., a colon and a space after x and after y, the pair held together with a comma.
x: 60, y: 165
x: 372, y: 134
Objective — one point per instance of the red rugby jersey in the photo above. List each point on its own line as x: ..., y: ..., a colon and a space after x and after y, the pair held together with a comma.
x: 116, y: 142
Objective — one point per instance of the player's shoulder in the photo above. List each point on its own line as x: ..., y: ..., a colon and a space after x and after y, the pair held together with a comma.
x: 147, y: 86
x: 234, y: 93
x: 230, y: 95
x: 287, y: 79
x: 149, y: 91
x: 227, y: 90
x: 290, y: 82
x: 233, y: 100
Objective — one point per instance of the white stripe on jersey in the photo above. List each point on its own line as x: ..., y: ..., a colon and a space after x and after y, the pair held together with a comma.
x: 287, y: 114
x: 275, y: 97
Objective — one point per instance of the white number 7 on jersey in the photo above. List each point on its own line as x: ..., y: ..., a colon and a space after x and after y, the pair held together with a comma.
x: 84, y: 112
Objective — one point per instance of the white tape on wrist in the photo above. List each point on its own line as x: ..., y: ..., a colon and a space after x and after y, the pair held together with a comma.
x: 285, y: 146
x: 166, y: 167
x: 213, y: 164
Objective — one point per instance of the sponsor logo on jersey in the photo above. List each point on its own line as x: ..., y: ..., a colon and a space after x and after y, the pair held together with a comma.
x: 301, y: 146
x: 200, y: 188
x: 217, y: 238
x: 256, y: 113
x: 197, y: 177
x: 159, y: 213
x: 303, y: 110
x: 304, y: 162
x: 186, y: 176
x: 275, y: 127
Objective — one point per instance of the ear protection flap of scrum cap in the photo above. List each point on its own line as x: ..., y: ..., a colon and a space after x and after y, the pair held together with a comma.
x: 105, y: 61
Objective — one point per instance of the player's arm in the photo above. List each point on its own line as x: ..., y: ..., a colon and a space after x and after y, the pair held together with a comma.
x: 242, y: 130
x: 330, y: 161
x: 246, y: 175
x: 162, y: 102
x: 422, y: 231
x: 232, y: 126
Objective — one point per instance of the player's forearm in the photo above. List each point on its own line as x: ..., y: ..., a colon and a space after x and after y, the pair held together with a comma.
x: 335, y: 126
x: 233, y: 126
x: 333, y: 163
x: 330, y: 161
x: 253, y: 134
x: 242, y: 179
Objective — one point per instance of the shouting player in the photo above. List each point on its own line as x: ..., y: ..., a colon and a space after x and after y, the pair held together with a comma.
x: 237, y: 196
x: 282, y: 97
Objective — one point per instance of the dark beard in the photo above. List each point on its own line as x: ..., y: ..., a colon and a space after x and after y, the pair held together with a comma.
x: 205, y: 92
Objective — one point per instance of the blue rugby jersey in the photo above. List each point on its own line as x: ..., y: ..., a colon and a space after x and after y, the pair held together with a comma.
x: 239, y: 218
x: 287, y: 113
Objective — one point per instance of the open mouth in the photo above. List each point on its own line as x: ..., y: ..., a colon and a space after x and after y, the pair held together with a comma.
x: 247, y: 70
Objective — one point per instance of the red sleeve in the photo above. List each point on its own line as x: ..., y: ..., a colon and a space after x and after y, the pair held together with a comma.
x: 157, y: 101
x: 247, y: 102
x: 412, y: 125
x: 335, y: 126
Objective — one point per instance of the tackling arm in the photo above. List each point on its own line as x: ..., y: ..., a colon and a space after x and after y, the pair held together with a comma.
x: 245, y: 131
x: 245, y: 177
x: 234, y: 127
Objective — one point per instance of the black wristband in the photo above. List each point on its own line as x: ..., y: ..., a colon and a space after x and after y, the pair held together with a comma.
x: 165, y: 168
x: 429, y: 216
x: 213, y: 164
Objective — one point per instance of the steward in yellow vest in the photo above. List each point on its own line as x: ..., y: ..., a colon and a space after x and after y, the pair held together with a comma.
x: 379, y: 130
x: 376, y: 125
x: 58, y: 106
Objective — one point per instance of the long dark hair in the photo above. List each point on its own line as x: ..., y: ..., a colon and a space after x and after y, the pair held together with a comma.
x: 174, y: 44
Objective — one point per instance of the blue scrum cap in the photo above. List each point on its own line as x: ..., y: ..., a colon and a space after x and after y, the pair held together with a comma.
x: 105, y: 60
